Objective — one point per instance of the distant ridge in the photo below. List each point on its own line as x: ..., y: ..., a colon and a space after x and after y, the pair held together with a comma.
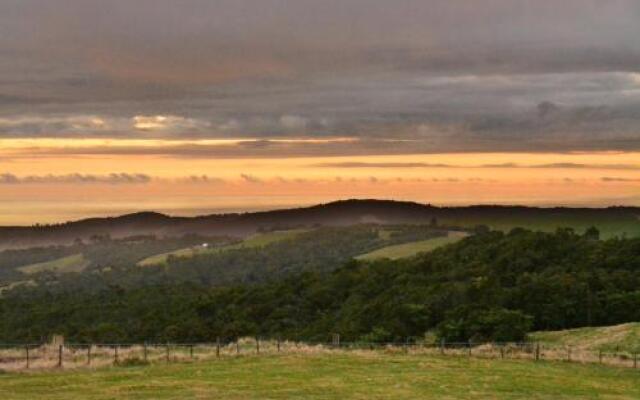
x: 612, y: 220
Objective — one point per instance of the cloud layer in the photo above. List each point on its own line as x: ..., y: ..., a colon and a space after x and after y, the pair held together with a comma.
x: 448, y: 75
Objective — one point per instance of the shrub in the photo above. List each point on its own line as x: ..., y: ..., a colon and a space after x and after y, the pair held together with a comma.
x: 479, y: 326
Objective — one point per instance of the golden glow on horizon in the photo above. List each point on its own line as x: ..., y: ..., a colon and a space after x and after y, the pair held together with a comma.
x: 586, y: 178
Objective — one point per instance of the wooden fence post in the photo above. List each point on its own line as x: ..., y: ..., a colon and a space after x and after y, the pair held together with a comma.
x: 537, y: 351
x: 115, y: 354
x: 600, y: 356
x: 502, y: 351
x: 257, y: 345
x: 469, y: 349
x: 278, y: 344
x: 238, y: 346
x: 60, y: 356
x: 442, y: 346
x: 26, y: 348
x: 191, y: 351
x: 89, y: 355
x: 168, y: 352
x: 145, y: 351
x: 569, y: 353
x: 218, y: 347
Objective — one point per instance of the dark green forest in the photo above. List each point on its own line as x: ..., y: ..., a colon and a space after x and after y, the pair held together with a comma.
x: 113, y: 262
x: 491, y: 286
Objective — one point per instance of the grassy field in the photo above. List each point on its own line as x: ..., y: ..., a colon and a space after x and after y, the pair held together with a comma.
x: 625, y: 337
x: 332, y: 376
x: 412, y: 248
x: 258, y: 240
x: 627, y: 226
x: 73, y: 263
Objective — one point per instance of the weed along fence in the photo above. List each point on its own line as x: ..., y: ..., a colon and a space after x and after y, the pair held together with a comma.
x: 60, y: 356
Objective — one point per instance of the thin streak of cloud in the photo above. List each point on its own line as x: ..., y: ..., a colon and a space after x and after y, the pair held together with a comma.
x: 619, y: 179
x: 112, y: 179
x: 250, y: 178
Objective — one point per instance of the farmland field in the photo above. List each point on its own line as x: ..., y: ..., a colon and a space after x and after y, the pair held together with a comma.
x: 363, y: 375
x: 410, y: 249
x: 258, y: 240
x: 73, y: 263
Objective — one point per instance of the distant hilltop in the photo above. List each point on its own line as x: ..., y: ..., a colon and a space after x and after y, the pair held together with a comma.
x: 612, y: 221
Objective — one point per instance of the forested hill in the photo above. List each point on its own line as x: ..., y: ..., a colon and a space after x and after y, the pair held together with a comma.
x: 610, y: 221
x: 490, y: 286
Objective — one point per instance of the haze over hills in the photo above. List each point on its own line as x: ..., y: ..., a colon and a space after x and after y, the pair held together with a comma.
x: 612, y: 221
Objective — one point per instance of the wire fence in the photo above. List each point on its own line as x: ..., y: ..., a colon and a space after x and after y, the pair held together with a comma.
x: 74, y: 356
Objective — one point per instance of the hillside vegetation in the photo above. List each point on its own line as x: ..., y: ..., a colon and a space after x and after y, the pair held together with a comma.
x: 332, y: 376
x: 490, y: 286
x: 107, y: 262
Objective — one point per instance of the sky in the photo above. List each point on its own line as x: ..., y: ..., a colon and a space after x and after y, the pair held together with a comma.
x: 199, y: 106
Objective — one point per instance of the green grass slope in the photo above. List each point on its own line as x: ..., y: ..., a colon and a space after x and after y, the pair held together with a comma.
x: 412, y: 248
x: 73, y: 263
x: 332, y: 376
x: 258, y: 240
x: 625, y: 337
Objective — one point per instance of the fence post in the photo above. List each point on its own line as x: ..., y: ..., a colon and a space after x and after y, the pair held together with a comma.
x: 89, y: 355
x: 537, y: 351
x: 442, y: 346
x: 191, y: 351
x: 144, y: 351
x: 238, y: 346
x: 600, y: 356
x: 168, y: 350
x: 502, y: 351
x: 218, y: 346
x: 278, y: 343
x: 115, y: 354
x: 569, y: 353
x: 60, y: 356
x: 26, y: 348
x: 257, y: 345
x: 469, y: 349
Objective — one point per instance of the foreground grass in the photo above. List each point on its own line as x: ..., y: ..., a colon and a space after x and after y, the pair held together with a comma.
x: 624, y: 337
x: 333, y: 376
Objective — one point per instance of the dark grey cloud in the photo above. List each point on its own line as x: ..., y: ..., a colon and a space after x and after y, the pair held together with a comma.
x: 453, y: 75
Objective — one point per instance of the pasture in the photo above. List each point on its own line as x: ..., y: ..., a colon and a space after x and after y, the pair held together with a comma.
x: 617, y: 338
x: 72, y: 263
x: 331, y: 375
x: 254, y: 241
x: 410, y: 249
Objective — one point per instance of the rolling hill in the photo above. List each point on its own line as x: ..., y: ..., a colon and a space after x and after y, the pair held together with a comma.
x: 613, y: 221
